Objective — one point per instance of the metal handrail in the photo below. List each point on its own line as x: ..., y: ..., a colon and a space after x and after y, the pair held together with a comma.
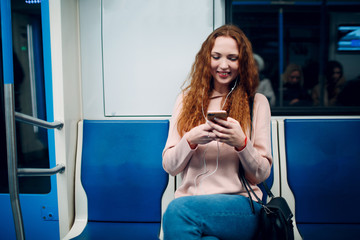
x: 12, y: 161
x: 37, y: 172
x: 37, y: 122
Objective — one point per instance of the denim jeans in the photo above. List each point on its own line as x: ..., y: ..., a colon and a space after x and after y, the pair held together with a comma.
x: 210, y: 217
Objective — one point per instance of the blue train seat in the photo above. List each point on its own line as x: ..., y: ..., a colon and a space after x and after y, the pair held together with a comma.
x: 122, y: 176
x: 273, y: 181
x: 323, y: 174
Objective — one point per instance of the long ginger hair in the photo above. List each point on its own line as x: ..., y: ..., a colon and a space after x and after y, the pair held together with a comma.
x: 197, y: 93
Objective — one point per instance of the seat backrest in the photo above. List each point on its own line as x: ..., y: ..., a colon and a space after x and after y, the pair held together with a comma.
x: 122, y: 170
x: 273, y: 181
x: 323, y: 162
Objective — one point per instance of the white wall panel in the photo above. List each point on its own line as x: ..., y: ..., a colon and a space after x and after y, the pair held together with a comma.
x: 91, y: 59
x: 136, y: 54
x: 148, y: 48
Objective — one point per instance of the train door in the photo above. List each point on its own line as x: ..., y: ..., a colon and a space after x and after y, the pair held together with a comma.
x: 32, y: 97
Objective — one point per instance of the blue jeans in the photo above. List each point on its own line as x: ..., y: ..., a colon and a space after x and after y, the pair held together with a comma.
x: 210, y: 217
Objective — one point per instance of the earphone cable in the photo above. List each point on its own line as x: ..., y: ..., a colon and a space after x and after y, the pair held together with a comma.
x: 217, y: 142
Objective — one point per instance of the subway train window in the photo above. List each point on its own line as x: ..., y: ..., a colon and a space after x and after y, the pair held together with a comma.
x: 29, y: 96
x: 307, y: 53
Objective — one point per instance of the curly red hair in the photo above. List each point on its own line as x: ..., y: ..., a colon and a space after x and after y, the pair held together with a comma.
x: 197, y: 93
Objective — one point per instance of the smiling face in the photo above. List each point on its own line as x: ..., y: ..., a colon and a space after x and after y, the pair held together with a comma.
x: 224, y: 63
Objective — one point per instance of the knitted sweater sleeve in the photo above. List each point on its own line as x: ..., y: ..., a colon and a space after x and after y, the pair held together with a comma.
x: 177, y: 151
x: 256, y: 157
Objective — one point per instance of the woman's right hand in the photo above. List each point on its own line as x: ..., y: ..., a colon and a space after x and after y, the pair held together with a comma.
x: 201, y: 134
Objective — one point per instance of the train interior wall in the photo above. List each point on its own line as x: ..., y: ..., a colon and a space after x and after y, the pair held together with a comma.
x: 103, y: 65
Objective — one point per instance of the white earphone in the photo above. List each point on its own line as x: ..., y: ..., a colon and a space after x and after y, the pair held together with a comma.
x: 218, y: 152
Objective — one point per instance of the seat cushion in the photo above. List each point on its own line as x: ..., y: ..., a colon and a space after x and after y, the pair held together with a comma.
x: 122, y: 170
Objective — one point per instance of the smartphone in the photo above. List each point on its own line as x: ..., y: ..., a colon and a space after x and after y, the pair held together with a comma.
x: 222, y: 114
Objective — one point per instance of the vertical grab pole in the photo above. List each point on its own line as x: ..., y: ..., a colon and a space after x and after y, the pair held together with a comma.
x: 8, y: 72
x: 281, y: 54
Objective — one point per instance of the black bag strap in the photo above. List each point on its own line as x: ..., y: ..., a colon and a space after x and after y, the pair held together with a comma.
x: 245, y: 184
x: 241, y: 169
x: 267, y: 189
x: 243, y: 179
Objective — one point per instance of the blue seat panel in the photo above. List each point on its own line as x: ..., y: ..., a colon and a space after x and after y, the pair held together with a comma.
x: 323, y: 169
x: 323, y: 166
x: 123, y: 231
x: 269, y: 181
x: 329, y: 231
x: 122, y: 170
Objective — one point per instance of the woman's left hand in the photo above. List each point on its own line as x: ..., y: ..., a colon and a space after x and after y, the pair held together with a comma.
x: 229, y: 132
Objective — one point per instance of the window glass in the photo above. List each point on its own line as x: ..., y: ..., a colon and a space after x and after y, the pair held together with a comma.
x: 29, y: 95
x: 308, y: 53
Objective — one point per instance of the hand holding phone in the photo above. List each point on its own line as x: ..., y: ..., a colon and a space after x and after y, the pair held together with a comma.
x: 222, y: 114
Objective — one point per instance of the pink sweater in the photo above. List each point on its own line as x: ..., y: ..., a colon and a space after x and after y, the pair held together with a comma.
x: 221, y: 175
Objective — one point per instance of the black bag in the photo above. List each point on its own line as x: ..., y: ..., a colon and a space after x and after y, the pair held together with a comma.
x: 275, y: 220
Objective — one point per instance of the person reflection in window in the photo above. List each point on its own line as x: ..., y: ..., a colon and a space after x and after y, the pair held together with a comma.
x: 265, y: 83
x: 333, y: 85
x: 293, y: 92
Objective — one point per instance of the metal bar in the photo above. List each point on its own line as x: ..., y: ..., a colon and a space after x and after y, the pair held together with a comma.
x: 30, y: 44
x: 37, y: 122
x: 12, y: 161
x: 323, y: 53
x: 229, y: 12
x: 277, y: 2
x: 37, y: 172
x: 281, y: 55
x: 8, y: 71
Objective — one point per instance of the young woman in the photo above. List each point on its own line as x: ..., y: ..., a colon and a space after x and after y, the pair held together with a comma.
x: 293, y: 92
x: 335, y: 82
x: 211, y: 202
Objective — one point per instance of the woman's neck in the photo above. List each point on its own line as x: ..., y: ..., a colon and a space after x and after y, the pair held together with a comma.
x: 221, y: 90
